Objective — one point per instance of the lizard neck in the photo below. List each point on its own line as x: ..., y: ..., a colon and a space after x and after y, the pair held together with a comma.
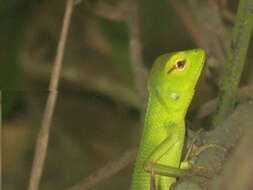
x: 168, y: 107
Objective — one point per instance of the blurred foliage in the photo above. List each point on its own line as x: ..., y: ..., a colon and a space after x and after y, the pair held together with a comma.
x: 13, y: 16
x: 117, y: 36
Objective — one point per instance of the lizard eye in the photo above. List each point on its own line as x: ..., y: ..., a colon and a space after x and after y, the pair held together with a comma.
x: 180, y: 64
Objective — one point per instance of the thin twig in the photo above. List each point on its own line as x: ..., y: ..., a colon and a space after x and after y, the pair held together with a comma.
x: 136, y: 57
x: 42, y: 140
x: 235, y: 63
x: 106, y: 172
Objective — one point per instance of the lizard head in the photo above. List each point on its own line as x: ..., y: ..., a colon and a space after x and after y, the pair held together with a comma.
x: 177, y: 72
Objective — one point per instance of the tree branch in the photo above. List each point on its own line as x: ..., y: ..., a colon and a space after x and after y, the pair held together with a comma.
x: 42, y: 140
x: 235, y: 63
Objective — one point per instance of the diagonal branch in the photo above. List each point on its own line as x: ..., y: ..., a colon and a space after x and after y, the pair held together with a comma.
x: 106, y: 172
x: 136, y: 57
x: 42, y: 140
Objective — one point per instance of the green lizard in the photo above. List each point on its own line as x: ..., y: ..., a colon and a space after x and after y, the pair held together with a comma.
x: 171, y: 87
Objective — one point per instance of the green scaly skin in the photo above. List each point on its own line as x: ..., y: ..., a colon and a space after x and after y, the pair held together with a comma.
x: 171, y: 87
